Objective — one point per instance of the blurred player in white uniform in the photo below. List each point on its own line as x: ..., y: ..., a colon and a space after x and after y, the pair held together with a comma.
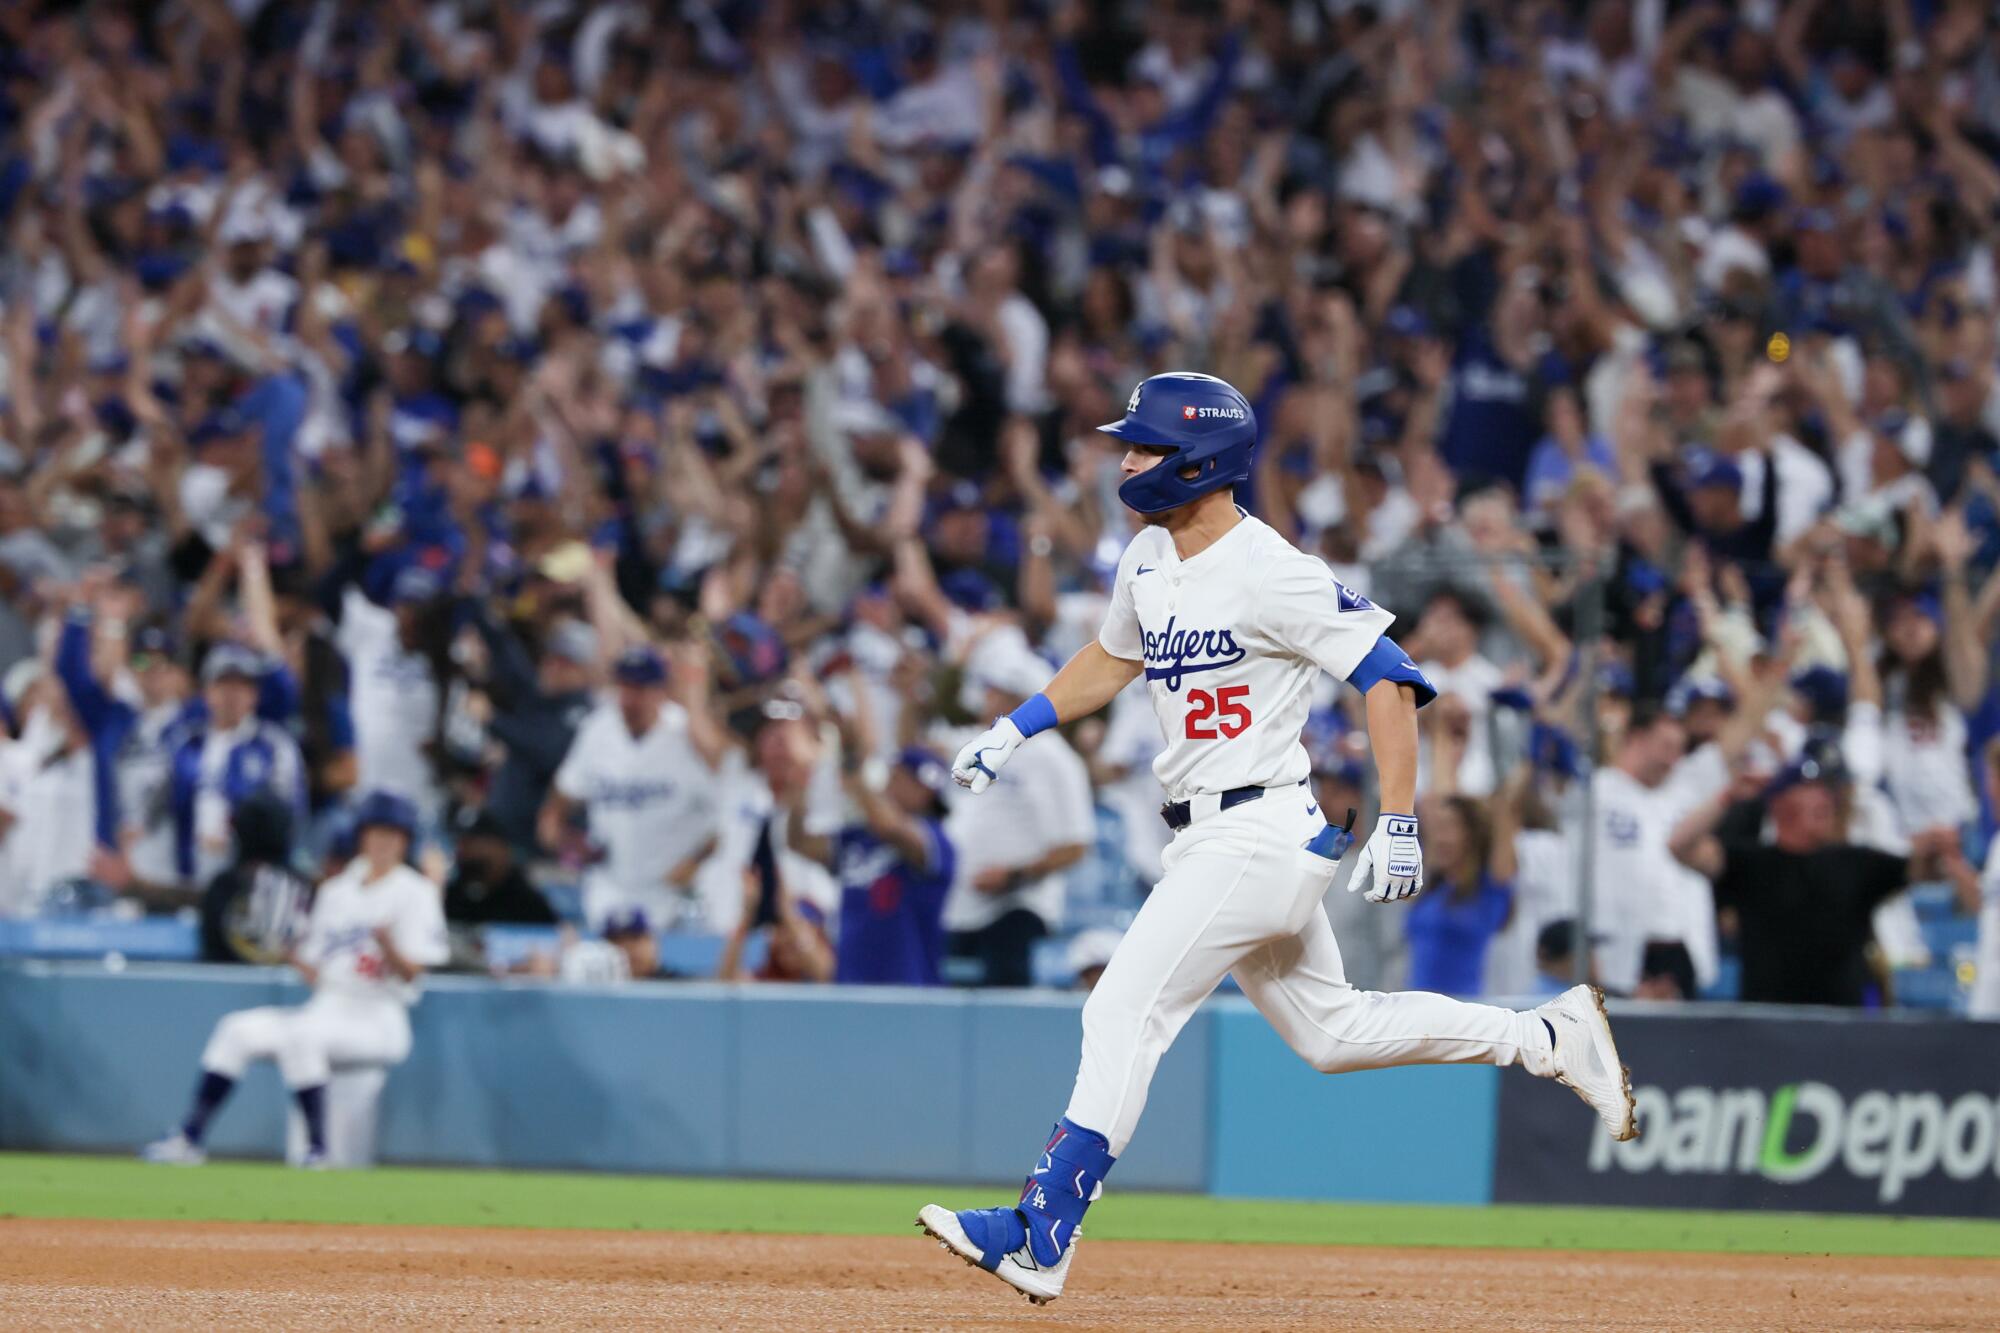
x: 1231, y: 626
x: 375, y: 927
x: 646, y: 773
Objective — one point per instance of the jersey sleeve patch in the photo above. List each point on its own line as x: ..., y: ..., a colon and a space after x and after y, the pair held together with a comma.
x: 1350, y: 600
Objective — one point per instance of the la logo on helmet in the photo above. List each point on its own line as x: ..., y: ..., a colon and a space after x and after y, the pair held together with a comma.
x: 1132, y: 403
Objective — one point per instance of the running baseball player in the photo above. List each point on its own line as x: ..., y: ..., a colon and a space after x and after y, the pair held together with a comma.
x: 374, y: 928
x: 1230, y: 624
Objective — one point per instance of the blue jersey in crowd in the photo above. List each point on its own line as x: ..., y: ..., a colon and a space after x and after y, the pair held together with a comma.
x: 1449, y: 935
x: 891, y: 911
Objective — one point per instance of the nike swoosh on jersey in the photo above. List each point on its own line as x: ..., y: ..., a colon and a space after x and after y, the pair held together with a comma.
x: 1313, y: 809
x: 1144, y: 569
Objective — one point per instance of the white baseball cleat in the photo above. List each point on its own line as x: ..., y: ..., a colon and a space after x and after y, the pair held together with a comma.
x: 1586, y: 1059
x: 1018, y: 1269
x: 176, y: 1149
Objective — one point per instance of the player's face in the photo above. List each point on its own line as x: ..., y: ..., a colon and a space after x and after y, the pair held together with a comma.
x: 383, y: 847
x: 640, y: 706
x: 230, y: 701
x: 1805, y: 818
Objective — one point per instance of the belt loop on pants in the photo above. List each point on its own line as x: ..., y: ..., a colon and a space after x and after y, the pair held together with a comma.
x: 1179, y: 814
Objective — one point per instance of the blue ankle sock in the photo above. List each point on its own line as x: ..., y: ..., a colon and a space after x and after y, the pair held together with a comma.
x: 209, y: 1094
x: 312, y: 1105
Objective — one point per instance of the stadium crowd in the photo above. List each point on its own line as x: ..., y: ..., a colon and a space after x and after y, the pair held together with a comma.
x: 647, y: 435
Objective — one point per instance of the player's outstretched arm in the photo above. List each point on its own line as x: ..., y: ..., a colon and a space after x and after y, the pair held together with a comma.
x: 1392, y: 864
x: 1086, y: 683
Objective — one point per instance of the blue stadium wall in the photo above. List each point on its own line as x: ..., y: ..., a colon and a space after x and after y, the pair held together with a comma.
x: 1744, y: 1108
x: 765, y: 1081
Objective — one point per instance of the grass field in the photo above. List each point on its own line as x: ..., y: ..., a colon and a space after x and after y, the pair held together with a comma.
x: 34, y: 1186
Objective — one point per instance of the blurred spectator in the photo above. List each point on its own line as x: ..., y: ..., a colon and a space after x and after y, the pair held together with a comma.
x: 224, y: 755
x: 1089, y: 952
x: 640, y: 774
x: 47, y: 795
x: 1804, y: 901
x: 1985, y: 1000
x: 1011, y: 853
x: 894, y: 862
x: 256, y: 910
x: 487, y: 882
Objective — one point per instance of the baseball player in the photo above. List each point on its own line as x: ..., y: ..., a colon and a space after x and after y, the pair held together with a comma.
x: 374, y: 928
x: 1230, y: 625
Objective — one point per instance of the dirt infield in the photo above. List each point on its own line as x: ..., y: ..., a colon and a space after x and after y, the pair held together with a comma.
x: 76, y: 1274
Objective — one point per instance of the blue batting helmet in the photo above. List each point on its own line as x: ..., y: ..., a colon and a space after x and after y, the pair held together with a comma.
x: 386, y: 809
x: 1205, y: 421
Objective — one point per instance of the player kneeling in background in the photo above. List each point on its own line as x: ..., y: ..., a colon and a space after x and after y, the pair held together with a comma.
x: 374, y: 928
x: 1231, y: 626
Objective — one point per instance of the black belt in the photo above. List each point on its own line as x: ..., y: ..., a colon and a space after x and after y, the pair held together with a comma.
x: 1178, y: 817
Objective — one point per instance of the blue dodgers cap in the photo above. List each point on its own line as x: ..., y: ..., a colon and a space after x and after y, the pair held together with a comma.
x: 226, y: 424
x: 1800, y: 771
x: 640, y: 665
x: 1823, y: 689
x: 926, y: 768
x: 1706, y: 468
x: 232, y: 659
x: 1406, y: 321
x: 153, y: 641
x: 1691, y: 690
x: 627, y: 923
x: 386, y: 809
x: 415, y: 584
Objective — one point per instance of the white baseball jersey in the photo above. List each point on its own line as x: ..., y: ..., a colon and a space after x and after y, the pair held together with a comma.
x: 395, y: 704
x: 346, y: 912
x: 1233, y: 641
x: 652, y: 802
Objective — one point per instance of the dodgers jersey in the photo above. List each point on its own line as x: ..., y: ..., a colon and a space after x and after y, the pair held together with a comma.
x: 340, y: 934
x: 1233, y: 641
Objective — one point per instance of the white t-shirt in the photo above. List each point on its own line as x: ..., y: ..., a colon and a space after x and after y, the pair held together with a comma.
x: 347, y: 911
x: 1473, y: 681
x: 1040, y: 803
x: 395, y: 702
x: 743, y: 805
x: 1924, y: 769
x: 53, y: 801
x: 1232, y: 642
x: 1985, y: 1001
x: 652, y: 802
x: 1544, y: 891
x: 1643, y: 893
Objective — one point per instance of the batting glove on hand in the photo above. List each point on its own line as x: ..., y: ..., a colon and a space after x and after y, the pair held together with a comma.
x: 979, y: 762
x: 1392, y: 864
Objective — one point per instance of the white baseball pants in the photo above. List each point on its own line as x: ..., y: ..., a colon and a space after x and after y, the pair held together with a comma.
x: 309, y: 1040
x: 1241, y: 894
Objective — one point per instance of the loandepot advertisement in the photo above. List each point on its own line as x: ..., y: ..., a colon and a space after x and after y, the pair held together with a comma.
x: 1790, y: 1111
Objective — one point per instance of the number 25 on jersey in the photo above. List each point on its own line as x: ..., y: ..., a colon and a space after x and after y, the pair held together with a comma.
x: 1224, y: 713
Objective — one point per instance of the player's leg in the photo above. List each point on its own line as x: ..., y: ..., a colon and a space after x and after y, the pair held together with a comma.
x: 240, y: 1038
x: 333, y: 1031
x: 1211, y: 907
x: 1300, y: 987
x: 1297, y: 983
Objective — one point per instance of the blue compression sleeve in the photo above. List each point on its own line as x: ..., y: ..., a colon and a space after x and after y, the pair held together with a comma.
x: 1387, y: 661
x: 1038, y: 714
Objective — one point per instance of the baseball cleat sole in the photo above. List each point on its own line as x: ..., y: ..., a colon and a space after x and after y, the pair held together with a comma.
x: 1607, y: 1053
